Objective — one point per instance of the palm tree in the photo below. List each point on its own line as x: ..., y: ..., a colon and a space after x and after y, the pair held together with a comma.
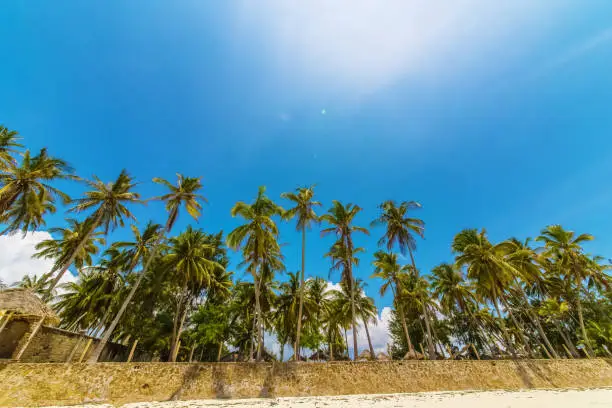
x: 387, y: 268
x: 76, y: 243
x: 146, y: 246
x: 400, y: 231
x: 491, y: 273
x: 569, y: 260
x: 304, y: 211
x: 521, y: 258
x: 26, y: 194
x: 368, y: 313
x: 108, y: 202
x: 37, y: 284
x: 340, y: 219
x: 286, y: 311
x: 258, y: 240
x: 8, y: 147
x: 190, y: 259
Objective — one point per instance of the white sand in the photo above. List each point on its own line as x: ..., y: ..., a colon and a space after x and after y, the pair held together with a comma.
x: 600, y: 398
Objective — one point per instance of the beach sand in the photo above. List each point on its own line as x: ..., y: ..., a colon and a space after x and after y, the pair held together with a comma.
x: 600, y: 398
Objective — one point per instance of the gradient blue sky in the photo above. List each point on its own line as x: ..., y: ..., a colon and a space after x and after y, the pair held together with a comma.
x: 491, y: 115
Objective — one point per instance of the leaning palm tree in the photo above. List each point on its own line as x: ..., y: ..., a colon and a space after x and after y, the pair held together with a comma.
x: 109, y: 204
x: 387, y: 268
x: 304, y: 211
x: 366, y: 309
x: 8, y: 147
x: 75, y: 244
x: 400, y: 230
x: 190, y: 260
x: 146, y: 246
x: 570, y: 261
x: 340, y: 219
x: 26, y: 193
x: 257, y: 239
x: 491, y: 273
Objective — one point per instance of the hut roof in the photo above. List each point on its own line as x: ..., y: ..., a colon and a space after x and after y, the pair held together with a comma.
x: 382, y: 357
x: 414, y: 355
x: 365, y: 355
x: 25, y: 303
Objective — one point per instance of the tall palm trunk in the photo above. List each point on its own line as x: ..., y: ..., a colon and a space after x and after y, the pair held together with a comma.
x: 365, y: 325
x: 258, y: 320
x: 218, y: 351
x: 107, y: 334
x: 566, y: 340
x: 352, y: 287
x: 296, y: 349
x: 505, y: 333
x: 535, y: 320
x: 73, y: 257
x: 430, y: 346
x: 587, y: 343
x: 179, y: 330
x: 400, y: 310
x: 518, y: 325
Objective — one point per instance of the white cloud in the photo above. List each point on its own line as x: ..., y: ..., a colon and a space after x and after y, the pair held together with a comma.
x: 16, y: 257
x: 367, y: 44
x: 379, y: 333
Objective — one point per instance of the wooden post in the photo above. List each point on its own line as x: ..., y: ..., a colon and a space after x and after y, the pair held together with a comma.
x: 191, y: 353
x: 30, y: 338
x: 74, y: 349
x: 450, y: 353
x: 7, y: 317
x: 568, y: 352
x: 423, y: 352
x: 475, y: 351
x: 85, y: 350
x: 132, y: 351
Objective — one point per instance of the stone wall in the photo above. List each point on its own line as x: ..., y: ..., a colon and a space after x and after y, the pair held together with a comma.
x: 52, y: 345
x: 58, y: 384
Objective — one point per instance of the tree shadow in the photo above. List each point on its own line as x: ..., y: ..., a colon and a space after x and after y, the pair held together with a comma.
x: 189, y: 376
x: 219, y: 379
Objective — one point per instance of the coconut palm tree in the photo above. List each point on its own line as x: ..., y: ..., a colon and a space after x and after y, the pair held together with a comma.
x: 387, y: 268
x: 257, y: 239
x: 368, y: 313
x: 400, y: 230
x: 521, y: 258
x: 26, y: 193
x: 569, y: 260
x: 9, y: 145
x: 146, y: 246
x: 108, y: 202
x: 75, y: 243
x: 304, y: 211
x: 491, y: 273
x: 340, y: 219
x: 191, y: 261
x: 37, y: 284
x: 286, y: 311
x: 132, y: 254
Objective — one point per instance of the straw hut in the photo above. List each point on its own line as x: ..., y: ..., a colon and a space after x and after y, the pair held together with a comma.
x: 23, y: 304
x: 382, y: 357
x: 414, y: 355
x: 365, y: 356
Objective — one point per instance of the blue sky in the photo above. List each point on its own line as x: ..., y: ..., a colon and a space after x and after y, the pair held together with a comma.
x: 495, y: 116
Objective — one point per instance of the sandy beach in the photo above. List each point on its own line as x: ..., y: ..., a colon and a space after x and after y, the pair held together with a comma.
x: 503, y: 399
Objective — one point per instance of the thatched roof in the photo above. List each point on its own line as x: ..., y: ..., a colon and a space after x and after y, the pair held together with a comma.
x: 414, y: 355
x: 365, y: 355
x: 24, y: 303
x: 382, y: 357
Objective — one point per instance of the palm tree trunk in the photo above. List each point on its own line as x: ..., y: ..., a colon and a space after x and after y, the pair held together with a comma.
x: 353, y: 318
x: 365, y: 325
x: 400, y: 311
x: 431, y: 350
x: 258, y: 319
x: 191, y: 354
x: 536, y: 321
x: 582, y: 327
x: 219, y: 351
x: 72, y: 257
x: 177, y: 338
x: 566, y: 340
x: 331, y: 350
x: 296, y: 349
x: 507, y: 339
x: 107, y: 334
x: 518, y: 325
